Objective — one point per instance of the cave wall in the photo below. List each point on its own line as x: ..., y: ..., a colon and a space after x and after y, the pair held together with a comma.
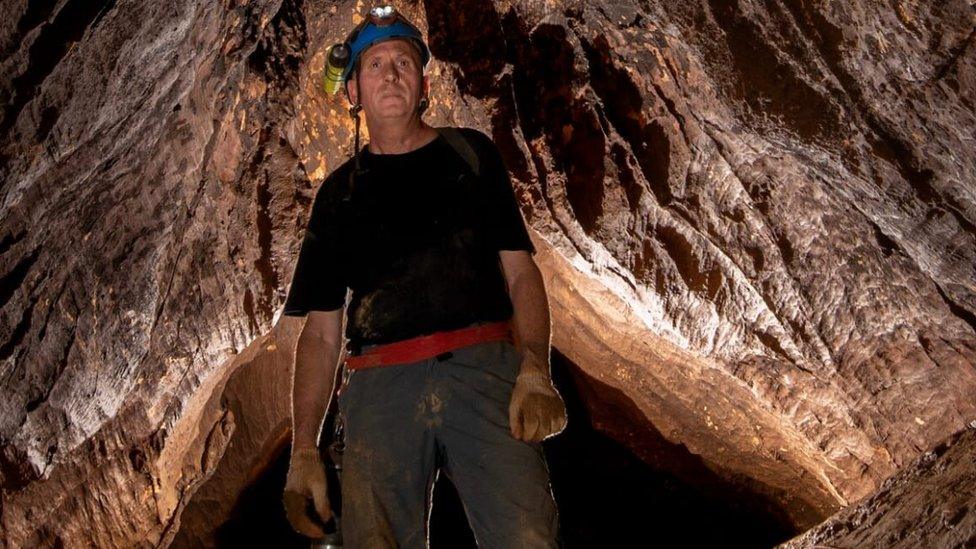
x: 755, y: 220
x: 927, y: 503
x: 151, y: 204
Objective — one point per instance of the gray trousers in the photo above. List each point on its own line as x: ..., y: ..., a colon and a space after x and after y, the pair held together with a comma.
x: 405, y: 423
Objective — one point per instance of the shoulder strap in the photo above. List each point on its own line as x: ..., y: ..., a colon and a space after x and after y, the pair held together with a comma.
x: 460, y: 144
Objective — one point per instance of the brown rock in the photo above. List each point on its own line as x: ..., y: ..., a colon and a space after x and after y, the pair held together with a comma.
x: 928, y: 503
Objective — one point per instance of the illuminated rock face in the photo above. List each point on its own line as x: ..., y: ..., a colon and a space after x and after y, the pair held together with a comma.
x: 928, y: 503
x: 755, y: 221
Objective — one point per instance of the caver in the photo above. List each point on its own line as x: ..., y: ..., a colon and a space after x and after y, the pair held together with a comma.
x: 447, y: 324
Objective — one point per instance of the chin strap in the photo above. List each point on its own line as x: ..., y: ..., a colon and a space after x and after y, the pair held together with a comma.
x: 354, y: 113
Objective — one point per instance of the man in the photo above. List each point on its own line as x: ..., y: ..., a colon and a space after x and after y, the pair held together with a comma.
x: 436, y: 253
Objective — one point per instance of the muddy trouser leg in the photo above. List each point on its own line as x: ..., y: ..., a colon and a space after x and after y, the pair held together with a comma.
x: 403, y: 422
x: 503, y: 482
x: 390, y: 457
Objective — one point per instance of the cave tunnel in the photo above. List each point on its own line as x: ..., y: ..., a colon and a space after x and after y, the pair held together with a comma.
x: 606, y: 495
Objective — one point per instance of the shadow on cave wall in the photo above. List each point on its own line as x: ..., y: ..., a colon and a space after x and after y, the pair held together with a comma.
x: 606, y: 495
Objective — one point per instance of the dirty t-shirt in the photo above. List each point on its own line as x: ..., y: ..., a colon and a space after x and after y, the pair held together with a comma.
x: 415, y: 238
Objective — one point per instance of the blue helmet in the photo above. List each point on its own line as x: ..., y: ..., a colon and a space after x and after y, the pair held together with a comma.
x: 374, y: 29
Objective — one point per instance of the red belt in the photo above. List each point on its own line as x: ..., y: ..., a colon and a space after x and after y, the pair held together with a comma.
x: 424, y: 347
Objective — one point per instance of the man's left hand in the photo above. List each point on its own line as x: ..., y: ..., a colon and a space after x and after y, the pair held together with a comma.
x: 536, y: 410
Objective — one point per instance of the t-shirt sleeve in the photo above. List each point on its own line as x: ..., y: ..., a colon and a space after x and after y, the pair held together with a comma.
x: 504, y: 220
x: 318, y: 283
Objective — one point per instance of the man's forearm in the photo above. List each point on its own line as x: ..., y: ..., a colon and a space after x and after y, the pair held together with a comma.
x: 531, y: 318
x: 315, y: 364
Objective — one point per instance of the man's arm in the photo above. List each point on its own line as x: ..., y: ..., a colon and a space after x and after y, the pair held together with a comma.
x: 531, y: 308
x: 316, y: 359
x: 535, y: 411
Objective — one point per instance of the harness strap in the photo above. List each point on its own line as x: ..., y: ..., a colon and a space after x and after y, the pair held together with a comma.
x: 460, y: 144
x: 427, y: 346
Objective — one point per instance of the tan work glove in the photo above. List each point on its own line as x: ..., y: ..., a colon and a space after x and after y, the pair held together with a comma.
x: 306, y: 481
x: 536, y: 410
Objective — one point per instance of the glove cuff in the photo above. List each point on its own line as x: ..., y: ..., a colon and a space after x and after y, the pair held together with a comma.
x: 536, y: 380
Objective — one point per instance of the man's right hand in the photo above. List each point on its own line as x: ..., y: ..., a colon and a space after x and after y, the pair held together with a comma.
x: 306, y: 482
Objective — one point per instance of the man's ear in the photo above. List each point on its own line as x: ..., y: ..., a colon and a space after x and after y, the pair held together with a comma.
x: 426, y: 87
x: 351, y: 91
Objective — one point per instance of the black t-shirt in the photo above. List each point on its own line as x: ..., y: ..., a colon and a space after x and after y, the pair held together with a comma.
x: 416, y: 239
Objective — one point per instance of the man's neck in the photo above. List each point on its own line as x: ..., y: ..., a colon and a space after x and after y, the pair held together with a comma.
x: 398, y: 138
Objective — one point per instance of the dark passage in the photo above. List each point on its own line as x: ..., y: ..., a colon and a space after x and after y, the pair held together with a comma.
x: 607, y: 497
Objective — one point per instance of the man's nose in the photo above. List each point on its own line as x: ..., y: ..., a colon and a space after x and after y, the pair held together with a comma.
x: 391, y: 72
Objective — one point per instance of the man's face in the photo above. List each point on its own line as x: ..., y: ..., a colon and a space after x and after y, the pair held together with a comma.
x: 390, y: 80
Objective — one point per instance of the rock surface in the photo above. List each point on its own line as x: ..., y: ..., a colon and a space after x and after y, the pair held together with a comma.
x: 929, y: 503
x: 756, y: 220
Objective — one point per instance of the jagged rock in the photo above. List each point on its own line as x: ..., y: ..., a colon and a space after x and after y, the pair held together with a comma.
x: 755, y: 220
x: 928, y: 503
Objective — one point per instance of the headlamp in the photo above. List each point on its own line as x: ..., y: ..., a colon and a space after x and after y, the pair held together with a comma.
x: 380, y: 13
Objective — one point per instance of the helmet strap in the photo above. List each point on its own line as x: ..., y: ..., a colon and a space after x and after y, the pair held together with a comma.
x: 354, y: 113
